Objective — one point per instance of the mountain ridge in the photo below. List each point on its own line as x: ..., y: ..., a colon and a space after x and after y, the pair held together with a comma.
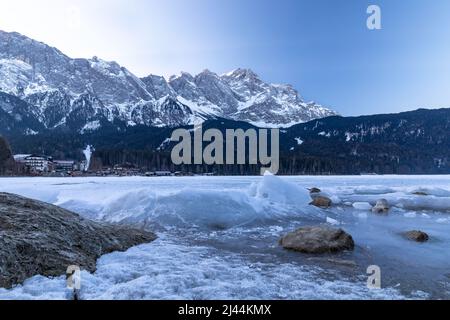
x: 58, y: 89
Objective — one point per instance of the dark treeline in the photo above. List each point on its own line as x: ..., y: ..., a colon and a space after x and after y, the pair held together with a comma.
x: 8, y: 167
x: 416, y: 142
x: 290, y: 164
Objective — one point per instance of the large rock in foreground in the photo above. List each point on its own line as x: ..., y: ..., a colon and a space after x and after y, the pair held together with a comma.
x: 318, y: 240
x: 39, y: 238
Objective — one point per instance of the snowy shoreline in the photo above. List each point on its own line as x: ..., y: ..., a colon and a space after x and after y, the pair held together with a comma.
x: 226, y: 229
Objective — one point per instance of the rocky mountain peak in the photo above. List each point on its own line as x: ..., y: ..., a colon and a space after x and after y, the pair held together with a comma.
x: 59, y: 91
x: 242, y: 74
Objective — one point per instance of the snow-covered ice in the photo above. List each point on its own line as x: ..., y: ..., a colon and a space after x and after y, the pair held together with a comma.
x: 225, y: 231
x: 362, y: 206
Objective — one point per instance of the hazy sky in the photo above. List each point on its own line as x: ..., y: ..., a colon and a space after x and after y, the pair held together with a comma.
x: 322, y: 47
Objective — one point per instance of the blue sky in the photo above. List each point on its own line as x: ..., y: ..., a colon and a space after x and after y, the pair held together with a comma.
x: 322, y: 47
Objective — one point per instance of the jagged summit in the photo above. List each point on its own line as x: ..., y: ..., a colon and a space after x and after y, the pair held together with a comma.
x: 58, y: 91
x: 241, y: 73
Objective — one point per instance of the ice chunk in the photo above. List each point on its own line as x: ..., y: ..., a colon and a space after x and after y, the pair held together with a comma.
x: 362, y: 206
x: 333, y: 221
x: 410, y: 215
x: 335, y: 199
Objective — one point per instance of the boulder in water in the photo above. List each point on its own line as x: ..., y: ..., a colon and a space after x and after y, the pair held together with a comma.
x: 382, y: 206
x: 321, y: 202
x: 317, y: 240
x: 416, y: 235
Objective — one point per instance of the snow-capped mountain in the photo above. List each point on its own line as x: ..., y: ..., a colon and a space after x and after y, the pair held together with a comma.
x: 58, y: 91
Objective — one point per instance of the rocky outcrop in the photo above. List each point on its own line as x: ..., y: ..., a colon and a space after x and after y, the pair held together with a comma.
x: 415, y: 235
x: 317, y: 240
x: 74, y: 93
x: 41, y: 239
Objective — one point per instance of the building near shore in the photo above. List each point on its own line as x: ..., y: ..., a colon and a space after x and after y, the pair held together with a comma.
x: 36, y: 163
x: 163, y: 173
x: 64, y: 165
x: 158, y: 173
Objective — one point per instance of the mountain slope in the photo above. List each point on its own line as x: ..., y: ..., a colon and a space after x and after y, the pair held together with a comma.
x: 411, y: 142
x: 74, y: 93
x: 408, y: 142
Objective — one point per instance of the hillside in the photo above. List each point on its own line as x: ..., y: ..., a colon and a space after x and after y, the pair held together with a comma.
x: 415, y: 142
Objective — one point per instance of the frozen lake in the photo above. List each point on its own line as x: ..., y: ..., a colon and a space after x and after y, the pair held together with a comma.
x: 218, y: 237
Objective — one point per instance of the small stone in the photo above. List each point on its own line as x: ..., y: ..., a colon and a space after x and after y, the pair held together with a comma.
x: 321, y: 202
x: 345, y: 263
x: 382, y: 206
x: 315, y: 190
x: 415, y: 235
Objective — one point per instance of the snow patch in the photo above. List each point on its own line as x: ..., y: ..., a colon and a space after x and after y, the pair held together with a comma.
x: 91, y: 126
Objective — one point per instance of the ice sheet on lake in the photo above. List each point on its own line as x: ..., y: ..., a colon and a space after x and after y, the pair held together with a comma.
x: 269, y: 198
x: 191, y: 208
x: 154, y: 271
